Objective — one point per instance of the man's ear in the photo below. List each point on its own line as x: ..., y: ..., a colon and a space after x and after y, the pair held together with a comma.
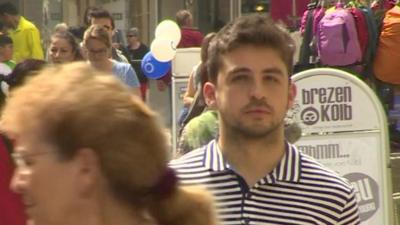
x: 209, y: 95
x: 292, y: 94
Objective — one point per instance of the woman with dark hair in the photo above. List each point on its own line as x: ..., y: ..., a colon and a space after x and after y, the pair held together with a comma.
x: 64, y: 48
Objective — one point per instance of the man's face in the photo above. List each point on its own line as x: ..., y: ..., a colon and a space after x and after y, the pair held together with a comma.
x: 132, y: 38
x: 105, y: 22
x: 7, y: 20
x: 7, y: 52
x: 47, y: 185
x: 253, y: 91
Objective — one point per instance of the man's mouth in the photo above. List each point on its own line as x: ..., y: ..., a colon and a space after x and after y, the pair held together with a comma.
x: 258, y: 110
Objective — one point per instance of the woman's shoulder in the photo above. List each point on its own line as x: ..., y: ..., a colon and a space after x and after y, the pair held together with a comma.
x: 121, y: 66
x: 118, y: 64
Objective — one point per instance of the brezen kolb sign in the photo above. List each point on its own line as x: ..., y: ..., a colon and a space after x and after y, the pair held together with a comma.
x: 344, y: 127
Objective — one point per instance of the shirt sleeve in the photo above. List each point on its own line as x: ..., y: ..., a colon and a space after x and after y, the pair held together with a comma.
x: 350, y: 214
x: 36, y: 51
x: 131, y: 77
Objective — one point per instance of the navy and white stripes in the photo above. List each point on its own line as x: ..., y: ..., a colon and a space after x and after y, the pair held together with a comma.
x: 298, y: 191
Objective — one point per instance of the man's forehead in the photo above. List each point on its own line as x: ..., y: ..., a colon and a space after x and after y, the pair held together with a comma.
x: 101, y: 21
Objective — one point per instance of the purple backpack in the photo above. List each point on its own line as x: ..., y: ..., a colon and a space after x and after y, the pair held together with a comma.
x: 337, y: 39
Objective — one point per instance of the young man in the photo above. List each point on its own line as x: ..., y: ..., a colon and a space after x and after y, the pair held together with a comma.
x: 255, y: 175
x: 25, y: 35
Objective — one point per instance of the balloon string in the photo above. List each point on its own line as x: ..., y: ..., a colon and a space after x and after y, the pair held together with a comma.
x: 172, y: 46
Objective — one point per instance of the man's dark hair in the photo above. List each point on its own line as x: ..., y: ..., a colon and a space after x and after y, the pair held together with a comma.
x: 255, y: 30
x: 86, y: 15
x: 102, y: 13
x: 8, y: 8
x: 5, y: 40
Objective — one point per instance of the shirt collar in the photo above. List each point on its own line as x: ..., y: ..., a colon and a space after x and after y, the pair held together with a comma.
x: 288, y: 169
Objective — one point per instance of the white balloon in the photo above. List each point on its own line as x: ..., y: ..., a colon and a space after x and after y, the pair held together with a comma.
x: 163, y: 49
x: 169, y: 30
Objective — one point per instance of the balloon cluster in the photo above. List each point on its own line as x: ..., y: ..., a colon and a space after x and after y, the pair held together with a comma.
x: 157, y: 62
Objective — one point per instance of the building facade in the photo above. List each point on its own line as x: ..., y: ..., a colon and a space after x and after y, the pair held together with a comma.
x: 209, y: 15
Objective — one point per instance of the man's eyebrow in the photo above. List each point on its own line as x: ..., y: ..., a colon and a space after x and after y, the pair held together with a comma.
x: 238, y: 70
x: 274, y: 70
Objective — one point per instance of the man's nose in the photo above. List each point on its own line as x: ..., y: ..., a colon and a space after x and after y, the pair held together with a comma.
x: 58, y: 53
x: 257, y: 89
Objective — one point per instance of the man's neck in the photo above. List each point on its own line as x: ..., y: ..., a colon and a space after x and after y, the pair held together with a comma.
x: 254, y: 158
x: 134, y: 45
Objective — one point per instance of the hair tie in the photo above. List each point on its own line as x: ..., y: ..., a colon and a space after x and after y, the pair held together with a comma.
x: 166, y: 184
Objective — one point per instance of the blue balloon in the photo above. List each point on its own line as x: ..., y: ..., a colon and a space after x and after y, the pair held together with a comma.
x: 153, y: 68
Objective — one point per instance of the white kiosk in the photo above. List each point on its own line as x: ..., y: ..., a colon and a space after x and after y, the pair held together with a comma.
x: 344, y: 127
x: 182, y: 65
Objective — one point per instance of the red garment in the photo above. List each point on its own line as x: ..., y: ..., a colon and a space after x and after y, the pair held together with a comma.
x: 12, y: 211
x: 190, y: 37
x: 143, y: 90
x: 282, y: 10
x: 362, y: 29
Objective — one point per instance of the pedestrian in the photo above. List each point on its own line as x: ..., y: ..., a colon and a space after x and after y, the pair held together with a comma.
x: 6, y: 53
x: 191, y: 37
x: 103, y: 18
x: 136, y: 50
x: 91, y: 152
x: 25, y: 35
x: 64, y: 48
x: 255, y: 175
x: 98, y: 46
x: 11, y: 203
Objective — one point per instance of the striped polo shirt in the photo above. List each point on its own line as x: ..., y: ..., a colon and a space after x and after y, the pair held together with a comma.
x: 298, y: 191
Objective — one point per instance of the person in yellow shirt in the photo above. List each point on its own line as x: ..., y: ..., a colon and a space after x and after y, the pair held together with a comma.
x: 25, y: 35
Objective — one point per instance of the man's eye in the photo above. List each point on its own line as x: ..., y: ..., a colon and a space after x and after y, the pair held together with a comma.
x: 240, y: 77
x: 271, y: 78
